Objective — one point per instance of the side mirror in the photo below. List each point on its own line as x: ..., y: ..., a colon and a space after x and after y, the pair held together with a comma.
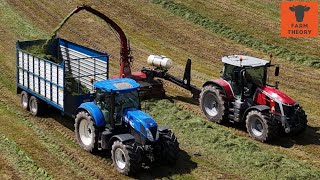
x: 277, y: 71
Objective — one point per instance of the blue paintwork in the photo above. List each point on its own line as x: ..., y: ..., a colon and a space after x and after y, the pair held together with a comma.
x: 117, y: 85
x: 135, y: 117
x: 95, y: 112
x: 40, y: 97
x: 83, y: 49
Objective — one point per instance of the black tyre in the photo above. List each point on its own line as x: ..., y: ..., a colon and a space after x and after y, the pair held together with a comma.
x: 86, y: 132
x: 36, y: 106
x: 126, y: 157
x: 213, y: 103
x: 169, y: 144
x: 260, y: 126
x: 302, y: 122
x: 25, y: 100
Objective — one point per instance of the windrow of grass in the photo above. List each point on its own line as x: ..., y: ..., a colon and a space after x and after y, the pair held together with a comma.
x: 237, y: 36
x: 21, y: 160
x: 226, y: 150
x: 16, y: 23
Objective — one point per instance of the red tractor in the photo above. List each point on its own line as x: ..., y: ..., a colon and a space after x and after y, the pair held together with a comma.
x: 243, y: 95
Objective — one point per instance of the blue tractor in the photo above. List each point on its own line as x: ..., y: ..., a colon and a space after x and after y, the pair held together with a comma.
x: 114, y: 121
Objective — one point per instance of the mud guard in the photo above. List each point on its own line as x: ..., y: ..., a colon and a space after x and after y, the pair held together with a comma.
x: 95, y: 113
x: 120, y: 137
x: 257, y: 107
x: 222, y: 84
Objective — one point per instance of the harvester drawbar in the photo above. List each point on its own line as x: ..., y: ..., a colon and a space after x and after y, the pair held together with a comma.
x: 162, y: 72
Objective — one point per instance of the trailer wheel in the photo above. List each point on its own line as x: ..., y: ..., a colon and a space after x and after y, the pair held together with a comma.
x: 214, y: 104
x: 169, y: 148
x: 260, y: 126
x: 126, y: 157
x: 86, y: 132
x: 36, y: 106
x: 25, y: 100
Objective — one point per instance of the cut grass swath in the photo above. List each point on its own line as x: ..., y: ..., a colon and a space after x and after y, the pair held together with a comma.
x: 240, y: 37
x: 23, y: 162
x: 228, y: 151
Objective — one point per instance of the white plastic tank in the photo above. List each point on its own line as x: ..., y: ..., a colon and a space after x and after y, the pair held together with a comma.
x: 160, y: 61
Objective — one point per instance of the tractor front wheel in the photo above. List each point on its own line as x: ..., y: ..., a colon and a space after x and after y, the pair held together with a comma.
x: 260, y: 126
x: 126, y: 157
x: 86, y: 132
x: 302, y: 126
x: 213, y: 103
x: 169, y: 148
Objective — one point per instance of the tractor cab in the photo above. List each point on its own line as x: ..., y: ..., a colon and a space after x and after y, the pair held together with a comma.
x: 114, y: 96
x: 245, y: 74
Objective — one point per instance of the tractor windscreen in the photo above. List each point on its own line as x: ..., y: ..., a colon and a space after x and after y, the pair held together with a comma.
x: 129, y: 99
x: 256, y: 75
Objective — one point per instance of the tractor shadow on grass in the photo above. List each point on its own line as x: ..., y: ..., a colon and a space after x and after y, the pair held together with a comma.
x: 64, y: 120
x: 311, y: 136
x: 188, y: 100
x: 184, y: 165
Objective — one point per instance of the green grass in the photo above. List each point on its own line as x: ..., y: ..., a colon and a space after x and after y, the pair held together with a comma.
x: 22, y: 162
x: 16, y: 23
x: 235, y: 35
x: 226, y: 150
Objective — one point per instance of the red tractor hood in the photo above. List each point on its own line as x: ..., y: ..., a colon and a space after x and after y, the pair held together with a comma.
x: 277, y: 95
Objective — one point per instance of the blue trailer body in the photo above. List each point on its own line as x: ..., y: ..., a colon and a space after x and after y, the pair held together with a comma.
x: 46, y: 80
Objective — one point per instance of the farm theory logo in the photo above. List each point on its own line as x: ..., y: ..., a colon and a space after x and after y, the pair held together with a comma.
x: 299, y: 12
x: 299, y: 19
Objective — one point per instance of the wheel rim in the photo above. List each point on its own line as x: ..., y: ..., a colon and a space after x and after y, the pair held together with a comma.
x: 120, y: 158
x: 257, y: 127
x: 33, y: 106
x: 211, y: 105
x: 24, y: 101
x: 85, y: 132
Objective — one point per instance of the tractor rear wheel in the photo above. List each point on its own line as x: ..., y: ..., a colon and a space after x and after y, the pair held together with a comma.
x: 126, y: 157
x: 25, y: 100
x: 260, y: 126
x: 86, y: 132
x: 169, y: 145
x: 213, y: 103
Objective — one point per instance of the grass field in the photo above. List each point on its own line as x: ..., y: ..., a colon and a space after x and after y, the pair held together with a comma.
x: 45, y: 148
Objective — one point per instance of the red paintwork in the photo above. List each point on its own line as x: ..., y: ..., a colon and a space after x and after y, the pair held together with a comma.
x: 260, y: 98
x: 226, y: 87
x: 138, y: 76
x: 276, y: 94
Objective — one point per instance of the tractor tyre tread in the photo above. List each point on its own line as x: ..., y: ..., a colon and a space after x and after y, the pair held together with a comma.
x: 222, y: 115
x: 271, y: 126
x: 170, y: 148
x: 93, y: 147
x: 132, y: 154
